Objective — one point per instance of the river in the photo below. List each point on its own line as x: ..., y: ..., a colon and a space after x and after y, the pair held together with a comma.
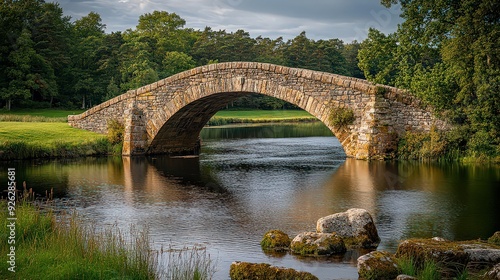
x: 250, y: 179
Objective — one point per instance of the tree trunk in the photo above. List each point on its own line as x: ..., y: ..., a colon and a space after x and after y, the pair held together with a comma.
x: 8, y: 104
x: 83, y: 102
x: 51, y: 101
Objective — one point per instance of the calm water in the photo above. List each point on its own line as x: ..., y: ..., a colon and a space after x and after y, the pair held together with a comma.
x: 255, y: 178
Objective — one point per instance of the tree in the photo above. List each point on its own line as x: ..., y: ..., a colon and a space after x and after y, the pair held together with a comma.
x: 27, y: 71
x: 447, y: 53
x: 176, y: 62
x: 376, y: 57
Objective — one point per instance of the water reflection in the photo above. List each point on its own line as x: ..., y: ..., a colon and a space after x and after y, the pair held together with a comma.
x: 240, y: 188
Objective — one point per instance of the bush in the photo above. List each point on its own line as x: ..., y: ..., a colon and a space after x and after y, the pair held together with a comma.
x: 341, y: 117
x: 116, y: 130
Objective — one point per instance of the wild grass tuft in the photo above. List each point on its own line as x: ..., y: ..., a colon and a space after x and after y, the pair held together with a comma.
x: 188, y: 264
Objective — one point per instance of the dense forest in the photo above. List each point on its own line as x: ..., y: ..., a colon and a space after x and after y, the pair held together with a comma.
x: 46, y: 59
x: 445, y: 52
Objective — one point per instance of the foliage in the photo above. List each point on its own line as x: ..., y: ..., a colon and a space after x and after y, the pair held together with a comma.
x: 341, y: 117
x: 446, y: 55
x: 116, y: 130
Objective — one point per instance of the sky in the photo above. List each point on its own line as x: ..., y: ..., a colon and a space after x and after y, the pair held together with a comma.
x: 347, y: 20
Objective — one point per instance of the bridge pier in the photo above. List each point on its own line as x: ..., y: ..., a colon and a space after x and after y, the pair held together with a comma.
x: 135, y: 137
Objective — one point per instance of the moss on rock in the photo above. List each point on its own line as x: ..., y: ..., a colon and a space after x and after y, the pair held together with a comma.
x: 495, y: 238
x: 449, y: 255
x: 317, y: 244
x: 251, y: 271
x: 378, y: 265
x: 275, y: 240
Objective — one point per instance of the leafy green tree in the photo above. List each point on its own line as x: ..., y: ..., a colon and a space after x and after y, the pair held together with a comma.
x: 27, y: 71
x: 447, y: 53
x: 176, y: 62
x: 376, y: 57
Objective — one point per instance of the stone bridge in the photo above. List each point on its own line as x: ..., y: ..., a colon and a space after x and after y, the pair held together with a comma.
x: 166, y: 117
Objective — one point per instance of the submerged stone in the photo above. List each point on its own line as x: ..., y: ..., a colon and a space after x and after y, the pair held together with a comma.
x: 355, y: 226
x: 317, y: 244
x: 378, y: 265
x: 275, y: 240
x: 254, y: 271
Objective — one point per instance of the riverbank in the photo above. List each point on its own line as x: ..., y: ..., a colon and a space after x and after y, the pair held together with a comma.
x: 62, y: 246
x: 260, y: 116
x: 25, y: 140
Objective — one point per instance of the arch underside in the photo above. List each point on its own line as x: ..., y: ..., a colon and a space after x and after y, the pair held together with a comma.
x: 179, y: 135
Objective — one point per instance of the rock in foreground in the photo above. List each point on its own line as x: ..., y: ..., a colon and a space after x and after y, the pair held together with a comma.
x: 255, y: 271
x: 378, y: 265
x: 317, y: 244
x: 355, y: 226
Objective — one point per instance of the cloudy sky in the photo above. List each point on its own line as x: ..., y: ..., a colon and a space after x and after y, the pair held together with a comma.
x: 321, y: 19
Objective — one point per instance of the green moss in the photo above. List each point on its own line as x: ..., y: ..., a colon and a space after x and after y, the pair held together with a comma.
x: 327, y: 244
x: 341, y: 117
x: 378, y: 265
x: 275, y: 240
x: 381, y: 90
x: 495, y: 238
x: 250, y: 271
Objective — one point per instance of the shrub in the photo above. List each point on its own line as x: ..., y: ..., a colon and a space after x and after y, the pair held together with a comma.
x: 116, y: 130
x: 341, y: 117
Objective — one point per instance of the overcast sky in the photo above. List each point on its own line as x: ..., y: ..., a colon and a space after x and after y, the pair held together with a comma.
x: 321, y: 19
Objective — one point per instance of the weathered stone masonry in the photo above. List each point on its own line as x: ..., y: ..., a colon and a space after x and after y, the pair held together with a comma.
x: 166, y: 117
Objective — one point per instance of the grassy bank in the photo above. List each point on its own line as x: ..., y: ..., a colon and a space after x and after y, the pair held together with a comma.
x: 260, y: 116
x: 49, y: 246
x: 23, y: 140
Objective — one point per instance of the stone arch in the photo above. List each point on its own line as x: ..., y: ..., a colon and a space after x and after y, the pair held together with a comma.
x: 176, y: 131
x: 177, y: 107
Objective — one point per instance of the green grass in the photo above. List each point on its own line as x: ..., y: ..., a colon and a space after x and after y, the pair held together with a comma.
x: 22, y: 140
x: 37, y: 115
x: 50, y: 113
x: 50, y: 247
x: 260, y: 116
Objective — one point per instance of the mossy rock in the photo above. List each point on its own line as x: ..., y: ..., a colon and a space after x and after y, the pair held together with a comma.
x: 450, y: 256
x: 495, y: 238
x: 317, y: 244
x: 378, y: 265
x: 254, y: 271
x: 275, y: 240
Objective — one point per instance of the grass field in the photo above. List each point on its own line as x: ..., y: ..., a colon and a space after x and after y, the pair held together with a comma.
x: 37, y: 115
x: 260, y: 116
x: 23, y: 140
x: 50, y: 113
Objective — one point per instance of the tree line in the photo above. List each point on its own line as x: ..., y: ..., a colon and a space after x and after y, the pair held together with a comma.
x: 48, y: 60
